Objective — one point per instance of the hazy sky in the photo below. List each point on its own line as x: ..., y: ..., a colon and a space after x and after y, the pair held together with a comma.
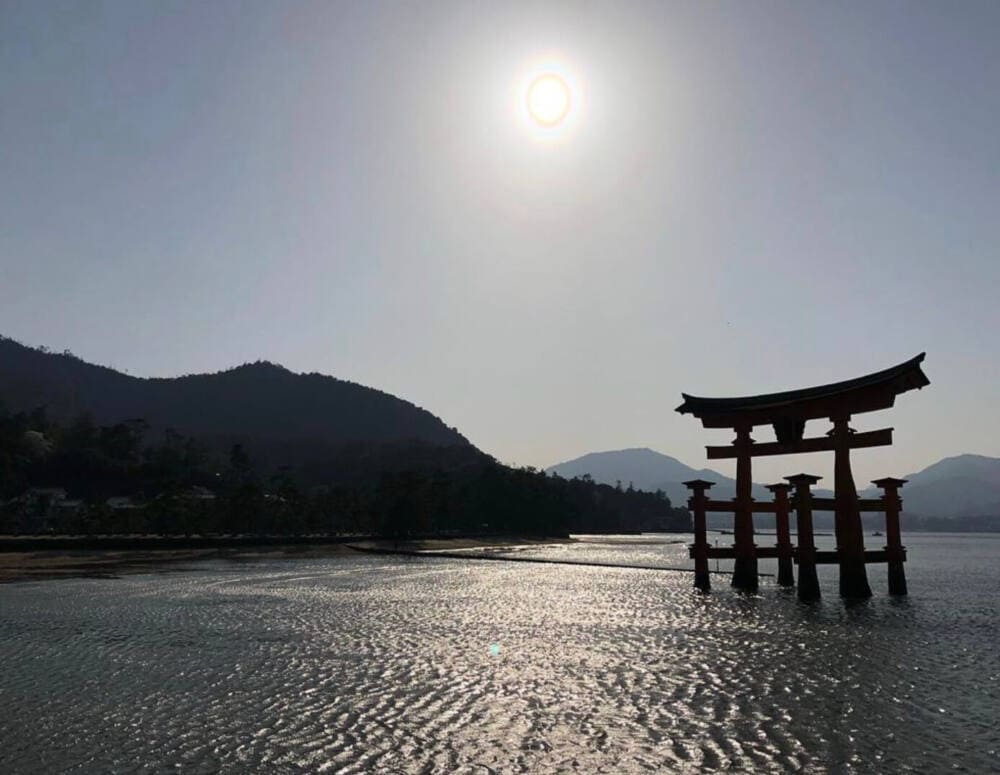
x: 746, y: 197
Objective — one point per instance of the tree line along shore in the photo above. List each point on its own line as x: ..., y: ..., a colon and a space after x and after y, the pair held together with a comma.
x: 84, y: 479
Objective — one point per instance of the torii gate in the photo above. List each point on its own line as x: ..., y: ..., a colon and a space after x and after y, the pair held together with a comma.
x: 788, y: 413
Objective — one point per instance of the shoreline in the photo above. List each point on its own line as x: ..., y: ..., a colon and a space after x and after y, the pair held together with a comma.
x: 106, y: 558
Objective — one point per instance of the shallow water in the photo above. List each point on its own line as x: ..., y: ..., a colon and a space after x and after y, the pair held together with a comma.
x: 364, y: 664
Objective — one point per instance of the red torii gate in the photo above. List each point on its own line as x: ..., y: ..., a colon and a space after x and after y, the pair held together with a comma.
x: 788, y: 414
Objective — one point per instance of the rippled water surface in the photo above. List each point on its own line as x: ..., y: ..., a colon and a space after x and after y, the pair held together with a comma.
x: 364, y: 664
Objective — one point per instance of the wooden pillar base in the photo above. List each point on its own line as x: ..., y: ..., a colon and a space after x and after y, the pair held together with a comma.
x: 786, y: 577
x: 808, y: 584
x: 702, y: 581
x: 854, y: 578
x: 808, y: 580
x: 897, y: 579
x: 745, y: 573
x: 897, y: 576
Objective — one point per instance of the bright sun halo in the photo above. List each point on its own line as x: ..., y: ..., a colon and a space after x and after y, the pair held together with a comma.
x: 548, y: 100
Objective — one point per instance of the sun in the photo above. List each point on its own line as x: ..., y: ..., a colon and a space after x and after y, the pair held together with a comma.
x: 548, y: 100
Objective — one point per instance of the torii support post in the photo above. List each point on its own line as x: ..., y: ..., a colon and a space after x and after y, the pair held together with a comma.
x: 745, y: 562
x: 699, y: 550
x: 850, y: 534
x: 894, y: 552
x: 806, y: 551
x: 786, y: 577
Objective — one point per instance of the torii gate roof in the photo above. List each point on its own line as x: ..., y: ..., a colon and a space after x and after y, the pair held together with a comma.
x: 854, y: 396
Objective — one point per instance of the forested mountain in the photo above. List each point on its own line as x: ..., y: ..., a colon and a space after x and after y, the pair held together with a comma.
x: 262, y: 405
x: 261, y: 450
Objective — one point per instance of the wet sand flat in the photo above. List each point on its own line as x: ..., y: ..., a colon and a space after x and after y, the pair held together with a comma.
x: 67, y: 563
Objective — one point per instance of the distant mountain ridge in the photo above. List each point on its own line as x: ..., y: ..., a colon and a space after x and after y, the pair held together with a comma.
x: 260, y: 401
x: 960, y: 486
x: 647, y: 469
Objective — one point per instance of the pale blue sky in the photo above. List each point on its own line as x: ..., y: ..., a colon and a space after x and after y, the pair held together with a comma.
x: 752, y: 196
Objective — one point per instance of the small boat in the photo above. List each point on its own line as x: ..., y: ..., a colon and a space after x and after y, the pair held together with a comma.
x: 876, y: 533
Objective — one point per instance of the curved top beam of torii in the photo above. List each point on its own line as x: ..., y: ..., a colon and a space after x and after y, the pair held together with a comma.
x: 791, y: 408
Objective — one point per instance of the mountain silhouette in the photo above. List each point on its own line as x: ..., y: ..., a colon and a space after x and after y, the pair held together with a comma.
x: 647, y: 469
x: 263, y: 403
x: 961, y: 486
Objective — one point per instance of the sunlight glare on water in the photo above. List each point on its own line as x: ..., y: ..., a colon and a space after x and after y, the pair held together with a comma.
x: 356, y: 664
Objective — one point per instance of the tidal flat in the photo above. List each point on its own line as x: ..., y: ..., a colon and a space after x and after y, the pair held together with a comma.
x: 362, y: 663
x: 110, y: 563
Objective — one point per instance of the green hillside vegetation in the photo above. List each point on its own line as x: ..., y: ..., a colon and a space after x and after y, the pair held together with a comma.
x: 83, y: 478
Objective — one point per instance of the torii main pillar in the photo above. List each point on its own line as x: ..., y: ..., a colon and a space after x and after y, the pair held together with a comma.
x: 847, y: 515
x: 745, y: 561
